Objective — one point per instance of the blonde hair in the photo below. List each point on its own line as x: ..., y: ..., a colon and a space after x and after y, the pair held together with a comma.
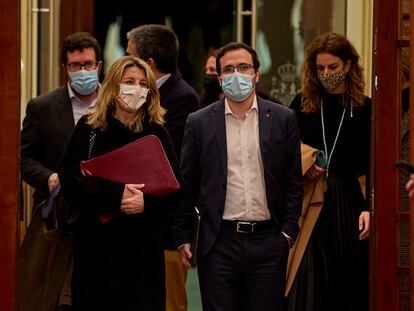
x: 339, y: 46
x: 105, y: 104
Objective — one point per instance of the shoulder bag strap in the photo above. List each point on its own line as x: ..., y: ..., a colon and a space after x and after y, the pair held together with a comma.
x: 92, y: 137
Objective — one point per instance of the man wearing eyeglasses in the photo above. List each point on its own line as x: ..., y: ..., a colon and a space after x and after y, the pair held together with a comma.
x: 241, y: 167
x: 48, y: 124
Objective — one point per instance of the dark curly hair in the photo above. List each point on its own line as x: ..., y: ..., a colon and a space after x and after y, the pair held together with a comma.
x: 339, y: 46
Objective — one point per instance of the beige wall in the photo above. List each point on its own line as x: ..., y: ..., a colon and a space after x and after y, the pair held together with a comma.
x: 359, y: 30
x: 41, y: 46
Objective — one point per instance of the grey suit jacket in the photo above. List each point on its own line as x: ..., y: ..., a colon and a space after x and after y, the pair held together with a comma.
x: 47, y: 128
x: 204, y: 171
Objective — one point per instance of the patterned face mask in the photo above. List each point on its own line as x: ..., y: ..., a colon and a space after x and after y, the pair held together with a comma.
x: 330, y: 81
x: 133, y: 96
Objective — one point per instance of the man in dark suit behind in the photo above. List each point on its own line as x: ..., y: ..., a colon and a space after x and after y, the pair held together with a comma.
x: 51, y: 117
x: 158, y: 46
x: 48, y: 125
x: 241, y: 166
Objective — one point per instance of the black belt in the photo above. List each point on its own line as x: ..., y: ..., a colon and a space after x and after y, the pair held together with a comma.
x: 244, y: 226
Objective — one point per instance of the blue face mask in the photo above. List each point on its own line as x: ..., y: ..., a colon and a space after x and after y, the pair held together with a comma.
x: 84, y: 82
x: 237, y: 86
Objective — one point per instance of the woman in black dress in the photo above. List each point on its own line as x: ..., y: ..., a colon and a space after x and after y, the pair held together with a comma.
x: 118, y: 261
x: 334, y: 117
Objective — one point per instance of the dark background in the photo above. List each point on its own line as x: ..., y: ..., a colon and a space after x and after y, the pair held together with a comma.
x: 197, y: 29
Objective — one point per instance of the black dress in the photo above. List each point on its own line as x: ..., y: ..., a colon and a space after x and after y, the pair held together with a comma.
x: 118, y: 265
x: 333, y: 274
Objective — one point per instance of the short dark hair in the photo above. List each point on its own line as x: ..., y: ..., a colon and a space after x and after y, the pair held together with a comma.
x: 79, y: 41
x: 157, y: 42
x: 237, y: 46
x: 212, y: 52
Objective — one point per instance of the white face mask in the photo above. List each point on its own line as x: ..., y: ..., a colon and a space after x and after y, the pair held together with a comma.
x: 133, y: 96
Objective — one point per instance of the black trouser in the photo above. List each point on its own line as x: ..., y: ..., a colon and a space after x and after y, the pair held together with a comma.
x: 244, y: 271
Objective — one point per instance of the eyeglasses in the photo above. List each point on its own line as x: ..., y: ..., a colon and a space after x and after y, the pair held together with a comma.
x: 90, y: 65
x: 241, y: 68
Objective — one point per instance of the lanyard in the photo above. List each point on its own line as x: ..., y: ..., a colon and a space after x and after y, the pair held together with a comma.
x: 329, y: 155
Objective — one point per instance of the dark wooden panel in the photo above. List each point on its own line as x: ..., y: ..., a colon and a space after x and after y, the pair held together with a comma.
x: 9, y: 146
x: 411, y: 124
x: 75, y: 15
x: 384, y: 276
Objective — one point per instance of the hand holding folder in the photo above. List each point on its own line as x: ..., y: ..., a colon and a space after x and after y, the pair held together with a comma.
x: 141, y: 162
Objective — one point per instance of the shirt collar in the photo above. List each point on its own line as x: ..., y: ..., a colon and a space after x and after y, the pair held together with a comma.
x: 162, y: 80
x: 71, y: 93
x: 227, y: 109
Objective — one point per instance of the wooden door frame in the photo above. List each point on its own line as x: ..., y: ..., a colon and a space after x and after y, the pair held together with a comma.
x: 411, y: 155
x: 384, y: 276
x: 76, y: 15
x: 9, y: 146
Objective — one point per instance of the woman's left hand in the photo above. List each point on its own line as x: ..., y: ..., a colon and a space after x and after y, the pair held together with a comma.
x: 133, y: 199
x: 314, y: 171
x: 364, y: 225
x: 410, y: 186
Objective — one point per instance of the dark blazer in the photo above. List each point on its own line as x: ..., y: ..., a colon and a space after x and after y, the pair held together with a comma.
x: 47, y: 128
x: 204, y: 171
x: 44, y: 257
x: 179, y: 99
x: 118, y: 265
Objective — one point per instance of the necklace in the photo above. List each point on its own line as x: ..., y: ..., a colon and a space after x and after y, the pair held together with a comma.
x: 327, y: 155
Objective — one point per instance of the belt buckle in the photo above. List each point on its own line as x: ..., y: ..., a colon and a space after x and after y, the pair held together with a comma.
x: 239, y: 223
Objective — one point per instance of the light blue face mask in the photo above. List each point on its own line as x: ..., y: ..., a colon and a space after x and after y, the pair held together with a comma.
x: 84, y: 82
x: 237, y: 86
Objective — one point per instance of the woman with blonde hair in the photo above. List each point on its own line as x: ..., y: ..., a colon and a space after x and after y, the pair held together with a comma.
x: 334, y: 116
x: 118, y: 264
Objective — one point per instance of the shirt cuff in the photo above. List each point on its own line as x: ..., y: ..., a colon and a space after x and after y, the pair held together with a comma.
x: 291, y: 241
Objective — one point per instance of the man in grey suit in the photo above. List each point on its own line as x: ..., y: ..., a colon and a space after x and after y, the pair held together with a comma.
x: 241, y: 166
x: 44, y: 263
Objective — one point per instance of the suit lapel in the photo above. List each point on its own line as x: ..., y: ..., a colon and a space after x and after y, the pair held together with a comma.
x: 65, y: 111
x: 265, y: 123
x: 165, y: 88
x: 219, y: 126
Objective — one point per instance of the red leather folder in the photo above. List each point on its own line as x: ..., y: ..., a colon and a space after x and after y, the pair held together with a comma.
x: 141, y: 162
